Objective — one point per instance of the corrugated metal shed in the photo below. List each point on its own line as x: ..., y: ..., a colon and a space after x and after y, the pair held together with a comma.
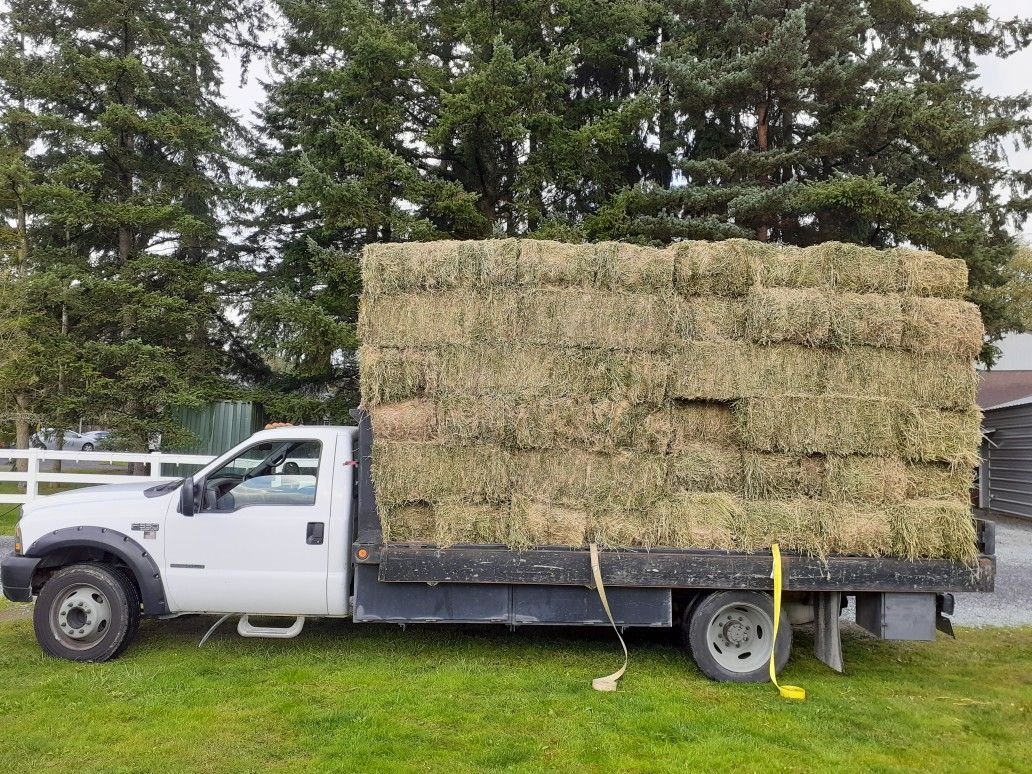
x: 220, y: 425
x: 1005, y: 476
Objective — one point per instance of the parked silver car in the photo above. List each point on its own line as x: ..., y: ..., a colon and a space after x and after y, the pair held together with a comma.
x: 46, y: 438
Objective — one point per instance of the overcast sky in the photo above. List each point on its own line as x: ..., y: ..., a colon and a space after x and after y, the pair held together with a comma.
x: 998, y: 76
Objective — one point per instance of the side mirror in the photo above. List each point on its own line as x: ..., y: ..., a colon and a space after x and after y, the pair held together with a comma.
x: 186, y: 497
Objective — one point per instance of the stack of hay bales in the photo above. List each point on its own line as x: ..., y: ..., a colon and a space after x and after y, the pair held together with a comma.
x: 719, y: 395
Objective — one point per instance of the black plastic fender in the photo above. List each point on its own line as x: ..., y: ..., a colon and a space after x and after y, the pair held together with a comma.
x: 135, y: 556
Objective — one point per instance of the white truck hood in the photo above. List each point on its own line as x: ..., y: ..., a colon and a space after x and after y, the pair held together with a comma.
x: 103, y: 493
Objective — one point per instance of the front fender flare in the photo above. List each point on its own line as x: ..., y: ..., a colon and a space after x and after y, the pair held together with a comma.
x: 135, y: 556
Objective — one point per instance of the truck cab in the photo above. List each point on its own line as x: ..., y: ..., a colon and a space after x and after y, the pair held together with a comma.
x: 263, y: 529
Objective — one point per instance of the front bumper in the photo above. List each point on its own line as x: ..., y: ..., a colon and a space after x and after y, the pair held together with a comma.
x: 16, y: 577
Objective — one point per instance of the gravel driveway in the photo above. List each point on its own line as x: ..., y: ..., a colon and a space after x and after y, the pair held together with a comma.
x: 1009, y: 605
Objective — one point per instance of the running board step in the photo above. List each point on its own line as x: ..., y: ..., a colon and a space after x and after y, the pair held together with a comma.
x: 245, y: 629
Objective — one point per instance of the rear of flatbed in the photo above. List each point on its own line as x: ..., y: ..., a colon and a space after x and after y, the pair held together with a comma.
x: 405, y: 583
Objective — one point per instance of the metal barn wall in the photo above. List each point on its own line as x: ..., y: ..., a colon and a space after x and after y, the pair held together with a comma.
x: 220, y: 425
x: 1007, y: 460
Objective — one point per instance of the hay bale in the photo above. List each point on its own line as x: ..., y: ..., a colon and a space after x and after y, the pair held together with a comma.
x: 408, y: 420
x: 936, y: 325
x: 769, y: 476
x: 706, y: 467
x: 697, y: 520
x: 607, y: 266
x: 792, y: 267
x: 461, y: 523
x: 923, y: 273
x: 589, y: 480
x: 799, y: 316
x: 865, y: 319
x: 711, y: 318
x: 540, y: 423
x: 538, y: 522
x: 938, y: 381
x: 797, y: 525
x: 854, y: 269
x: 933, y: 435
x: 395, y: 374
x: 406, y: 472
x: 865, y: 480
x: 408, y: 524
x: 700, y: 420
x: 728, y: 268
x: 939, y: 481
x: 818, y: 424
x: 858, y: 531
x: 929, y: 529
x: 726, y: 371
x: 540, y: 371
x: 448, y: 317
x: 583, y: 318
x: 397, y: 268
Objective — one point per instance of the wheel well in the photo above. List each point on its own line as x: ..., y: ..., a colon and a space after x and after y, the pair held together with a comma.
x: 63, y: 557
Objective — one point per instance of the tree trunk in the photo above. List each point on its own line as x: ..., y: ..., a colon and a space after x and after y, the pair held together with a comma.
x: 762, y: 228
x: 22, y: 428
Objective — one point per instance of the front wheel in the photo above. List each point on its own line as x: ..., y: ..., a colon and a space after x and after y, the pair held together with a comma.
x: 731, y: 633
x: 88, y: 447
x: 86, y: 612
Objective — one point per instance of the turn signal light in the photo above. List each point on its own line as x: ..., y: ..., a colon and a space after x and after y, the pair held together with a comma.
x: 362, y: 553
x: 17, y: 540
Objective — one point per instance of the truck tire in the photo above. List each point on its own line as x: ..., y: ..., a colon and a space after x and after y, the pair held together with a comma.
x: 86, y: 612
x: 730, y: 635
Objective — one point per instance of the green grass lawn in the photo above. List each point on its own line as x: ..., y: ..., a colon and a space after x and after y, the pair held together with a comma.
x: 375, y: 698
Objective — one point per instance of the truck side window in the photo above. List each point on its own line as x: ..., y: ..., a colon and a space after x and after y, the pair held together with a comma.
x: 268, y: 473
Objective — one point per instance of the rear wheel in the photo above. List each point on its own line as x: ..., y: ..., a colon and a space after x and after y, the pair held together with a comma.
x: 730, y: 635
x: 86, y: 612
x: 87, y: 447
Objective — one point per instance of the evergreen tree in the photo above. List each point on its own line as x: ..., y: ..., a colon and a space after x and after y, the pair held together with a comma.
x: 132, y: 174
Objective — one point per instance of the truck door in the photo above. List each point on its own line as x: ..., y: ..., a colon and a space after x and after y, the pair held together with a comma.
x: 257, y: 543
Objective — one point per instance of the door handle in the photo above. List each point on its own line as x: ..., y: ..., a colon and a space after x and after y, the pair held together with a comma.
x: 315, y: 533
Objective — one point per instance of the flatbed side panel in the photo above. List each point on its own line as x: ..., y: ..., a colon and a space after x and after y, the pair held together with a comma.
x: 684, y: 569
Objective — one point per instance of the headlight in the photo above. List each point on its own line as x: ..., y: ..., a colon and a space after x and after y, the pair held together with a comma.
x: 18, y: 539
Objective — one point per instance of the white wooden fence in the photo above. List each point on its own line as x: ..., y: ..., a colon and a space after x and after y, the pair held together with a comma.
x: 33, y: 477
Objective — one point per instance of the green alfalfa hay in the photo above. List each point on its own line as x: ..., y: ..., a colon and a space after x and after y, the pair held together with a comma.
x: 706, y: 467
x: 584, y: 479
x: 939, y: 481
x: 542, y: 423
x: 923, y: 273
x: 536, y: 521
x: 933, y: 435
x: 942, y: 326
x: 811, y: 424
x: 855, y: 269
x: 412, y: 523
x: 858, y: 319
x: 729, y: 370
x: 711, y: 318
x: 413, y: 472
x: 443, y: 265
x: 798, y: 316
x: 604, y: 319
x: 437, y: 319
x: 865, y: 480
x: 607, y: 266
x: 772, y: 476
x: 681, y: 424
x: 458, y: 522
x: 728, y: 268
x: 939, y: 381
x: 388, y: 374
x: 792, y: 267
x: 540, y: 371
x: 933, y: 529
x: 706, y: 520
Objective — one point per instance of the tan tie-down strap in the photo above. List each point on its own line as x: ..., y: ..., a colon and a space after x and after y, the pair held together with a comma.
x: 609, y: 682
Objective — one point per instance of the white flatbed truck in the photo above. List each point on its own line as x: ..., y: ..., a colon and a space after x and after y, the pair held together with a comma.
x: 285, y: 524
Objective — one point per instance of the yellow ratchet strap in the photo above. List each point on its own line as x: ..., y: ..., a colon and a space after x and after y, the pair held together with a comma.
x: 609, y: 682
x: 786, y: 691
